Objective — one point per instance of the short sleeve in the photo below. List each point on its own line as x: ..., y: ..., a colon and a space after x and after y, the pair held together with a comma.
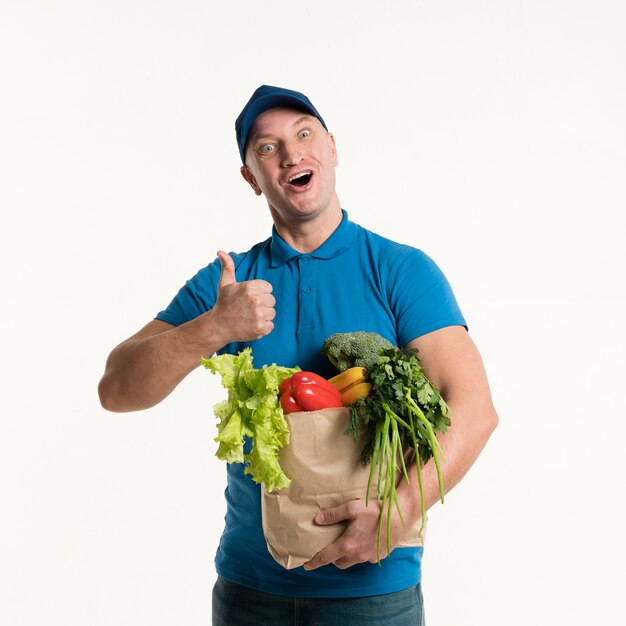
x: 197, y: 296
x: 421, y: 297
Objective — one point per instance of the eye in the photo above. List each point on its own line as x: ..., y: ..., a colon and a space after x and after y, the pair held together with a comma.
x: 266, y: 148
x: 304, y: 133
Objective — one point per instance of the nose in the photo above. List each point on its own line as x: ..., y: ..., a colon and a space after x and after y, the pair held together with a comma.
x: 291, y: 154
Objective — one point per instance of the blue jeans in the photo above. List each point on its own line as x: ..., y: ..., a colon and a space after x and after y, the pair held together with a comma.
x: 234, y: 605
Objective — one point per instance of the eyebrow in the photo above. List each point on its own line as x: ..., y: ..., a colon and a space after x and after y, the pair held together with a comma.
x: 300, y: 120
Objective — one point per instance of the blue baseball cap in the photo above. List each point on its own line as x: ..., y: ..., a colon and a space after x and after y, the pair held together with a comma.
x: 268, y: 97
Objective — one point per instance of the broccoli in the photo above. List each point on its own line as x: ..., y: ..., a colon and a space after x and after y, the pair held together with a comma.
x: 356, y: 349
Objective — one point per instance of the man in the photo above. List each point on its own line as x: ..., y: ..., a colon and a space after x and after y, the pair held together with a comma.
x: 319, y: 273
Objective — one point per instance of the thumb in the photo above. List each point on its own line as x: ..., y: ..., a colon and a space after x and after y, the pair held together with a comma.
x: 333, y: 515
x: 227, y: 277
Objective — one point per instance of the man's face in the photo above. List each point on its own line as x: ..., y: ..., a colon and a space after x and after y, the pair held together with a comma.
x: 291, y: 159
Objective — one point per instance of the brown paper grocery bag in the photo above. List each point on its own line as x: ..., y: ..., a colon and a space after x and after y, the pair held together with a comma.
x: 324, y: 465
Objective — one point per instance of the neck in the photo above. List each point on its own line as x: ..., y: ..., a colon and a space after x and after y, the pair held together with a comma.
x: 310, y: 232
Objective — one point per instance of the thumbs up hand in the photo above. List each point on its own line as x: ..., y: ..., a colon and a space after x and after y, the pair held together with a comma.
x: 245, y: 310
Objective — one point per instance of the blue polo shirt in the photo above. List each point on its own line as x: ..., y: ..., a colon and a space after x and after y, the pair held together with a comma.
x: 356, y: 280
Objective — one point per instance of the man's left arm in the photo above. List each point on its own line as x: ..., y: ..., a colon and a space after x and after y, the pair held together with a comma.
x: 452, y: 362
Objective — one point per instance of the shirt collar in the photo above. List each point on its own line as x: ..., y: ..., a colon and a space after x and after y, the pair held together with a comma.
x: 339, y: 241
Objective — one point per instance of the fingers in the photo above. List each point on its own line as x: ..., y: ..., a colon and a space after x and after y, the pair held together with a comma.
x: 269, y: 300
x: 227, y: 277
x: 328, y: 555
x: 343, y: 553
x: 359, y: 541
x: 335, y: 552
x: 334, y: 515
x: 253, y: 309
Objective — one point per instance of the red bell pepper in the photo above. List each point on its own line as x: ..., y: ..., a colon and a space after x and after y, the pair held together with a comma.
x: 306, y: 391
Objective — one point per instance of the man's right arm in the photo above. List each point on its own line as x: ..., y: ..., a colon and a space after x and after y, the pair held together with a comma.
x: 147, y: 367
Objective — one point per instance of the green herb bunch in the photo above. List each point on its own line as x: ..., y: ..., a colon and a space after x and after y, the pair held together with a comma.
x: 404, y: 410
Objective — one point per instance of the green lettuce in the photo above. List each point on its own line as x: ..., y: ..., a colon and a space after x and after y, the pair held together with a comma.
x: 251, y: 410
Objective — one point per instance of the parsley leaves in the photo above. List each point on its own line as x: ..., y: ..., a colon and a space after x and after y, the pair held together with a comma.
x: 404, y: 409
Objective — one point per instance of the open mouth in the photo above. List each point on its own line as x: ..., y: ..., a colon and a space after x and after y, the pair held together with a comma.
x: 301, y: 179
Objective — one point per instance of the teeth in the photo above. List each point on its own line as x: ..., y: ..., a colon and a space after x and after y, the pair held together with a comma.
x: 300, y: 175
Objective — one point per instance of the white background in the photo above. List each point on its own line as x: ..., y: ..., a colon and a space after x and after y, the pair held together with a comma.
x: 490, y: 133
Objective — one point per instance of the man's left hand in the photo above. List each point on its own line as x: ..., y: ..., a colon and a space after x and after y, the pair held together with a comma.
x: 358, y: 543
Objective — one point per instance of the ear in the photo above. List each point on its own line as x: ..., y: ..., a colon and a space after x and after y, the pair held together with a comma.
x: 250, y: 179
x: 333, y: 148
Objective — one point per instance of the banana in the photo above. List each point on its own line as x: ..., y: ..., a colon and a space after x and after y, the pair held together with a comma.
x: 352, y: 384
x: 348, y: 378
x: 360, y: 390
